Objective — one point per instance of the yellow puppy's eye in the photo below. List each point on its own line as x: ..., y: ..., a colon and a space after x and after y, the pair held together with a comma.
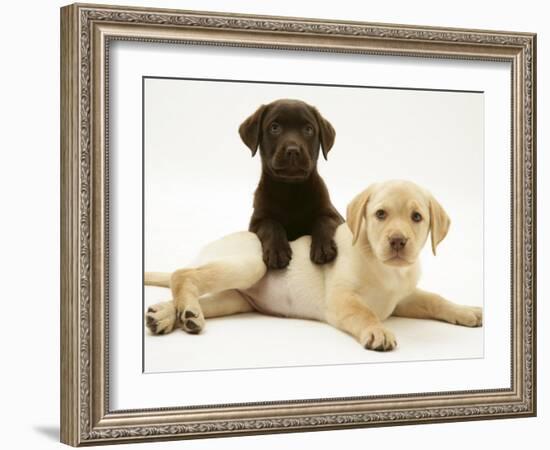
x: 381, y: 214
x: 416, y: 217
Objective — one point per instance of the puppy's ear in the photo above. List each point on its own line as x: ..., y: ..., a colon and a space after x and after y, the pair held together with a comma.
x: 250, y: 129
x: 326, y: 131
x: 355, y: 213
x: 439, y: 223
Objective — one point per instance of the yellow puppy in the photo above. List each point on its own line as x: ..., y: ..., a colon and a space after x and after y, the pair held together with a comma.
x: 374, y: 276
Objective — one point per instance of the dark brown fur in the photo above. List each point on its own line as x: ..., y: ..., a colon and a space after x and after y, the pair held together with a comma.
x: 291, y: 199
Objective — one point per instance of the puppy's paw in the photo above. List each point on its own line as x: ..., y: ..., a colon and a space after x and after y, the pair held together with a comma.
x: 192, y: 319
x: 323, y: 252
x: 468, y: 316
x: 161, y: 318
x: 277, y: 256
x: 378, y: 338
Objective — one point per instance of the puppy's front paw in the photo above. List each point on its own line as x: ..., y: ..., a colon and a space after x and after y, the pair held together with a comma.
x: 161, y: 318
x: 323, y: 252
x: 468, y: 316
x: 277, y: 256
x: 192, y: 319
x: 378, y: 338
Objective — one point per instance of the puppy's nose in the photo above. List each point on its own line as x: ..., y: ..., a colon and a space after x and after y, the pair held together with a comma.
x: 398, y: 242
x: 292, y: 151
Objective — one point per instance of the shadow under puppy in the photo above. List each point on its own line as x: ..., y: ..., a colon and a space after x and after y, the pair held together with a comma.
x: 291, y: 199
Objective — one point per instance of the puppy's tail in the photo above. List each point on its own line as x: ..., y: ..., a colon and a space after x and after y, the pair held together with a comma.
x: 161, y: 279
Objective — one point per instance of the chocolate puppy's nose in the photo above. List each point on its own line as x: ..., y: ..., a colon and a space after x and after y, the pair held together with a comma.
x: 292, y: 151
x: 398, y: 242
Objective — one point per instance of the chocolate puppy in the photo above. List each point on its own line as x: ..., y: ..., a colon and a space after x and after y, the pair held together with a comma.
x: 291, y: 199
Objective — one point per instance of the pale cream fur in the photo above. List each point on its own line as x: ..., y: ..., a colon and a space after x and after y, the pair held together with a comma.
x: 371, y: 279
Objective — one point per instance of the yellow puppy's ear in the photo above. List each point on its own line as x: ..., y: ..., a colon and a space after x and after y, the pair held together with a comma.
x: 439, y: 223
x: 355, y: 212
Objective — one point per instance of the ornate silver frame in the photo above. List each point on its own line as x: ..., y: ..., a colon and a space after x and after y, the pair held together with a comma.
x: 86, y: 31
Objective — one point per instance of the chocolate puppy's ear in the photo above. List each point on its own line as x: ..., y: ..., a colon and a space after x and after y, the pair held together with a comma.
x: 250, y: 129
x: 327, y: 132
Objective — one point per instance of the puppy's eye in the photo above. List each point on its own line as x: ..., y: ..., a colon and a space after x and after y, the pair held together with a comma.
x: 381, y: 214
x: 308, y: 130
x: 416, y: 217
x: 275, y: 128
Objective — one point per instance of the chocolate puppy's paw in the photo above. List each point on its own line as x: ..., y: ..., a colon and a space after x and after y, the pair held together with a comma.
x: 323, y: 252
x: 277, y: 256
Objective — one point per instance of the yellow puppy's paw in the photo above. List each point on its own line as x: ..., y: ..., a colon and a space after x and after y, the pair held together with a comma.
x: 161, y: 318
x: 468, y: 316
x: 192, y: 319
x: 378, y: 338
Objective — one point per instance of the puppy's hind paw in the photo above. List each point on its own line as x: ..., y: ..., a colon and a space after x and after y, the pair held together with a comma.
x: 161, y: 318
x: 192, y: 320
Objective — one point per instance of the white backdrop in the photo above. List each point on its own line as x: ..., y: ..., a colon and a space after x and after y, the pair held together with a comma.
x: 29, y: 180
x: 199, y: 180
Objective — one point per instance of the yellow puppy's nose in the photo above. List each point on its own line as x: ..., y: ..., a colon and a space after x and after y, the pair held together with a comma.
x: 397, y: 241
